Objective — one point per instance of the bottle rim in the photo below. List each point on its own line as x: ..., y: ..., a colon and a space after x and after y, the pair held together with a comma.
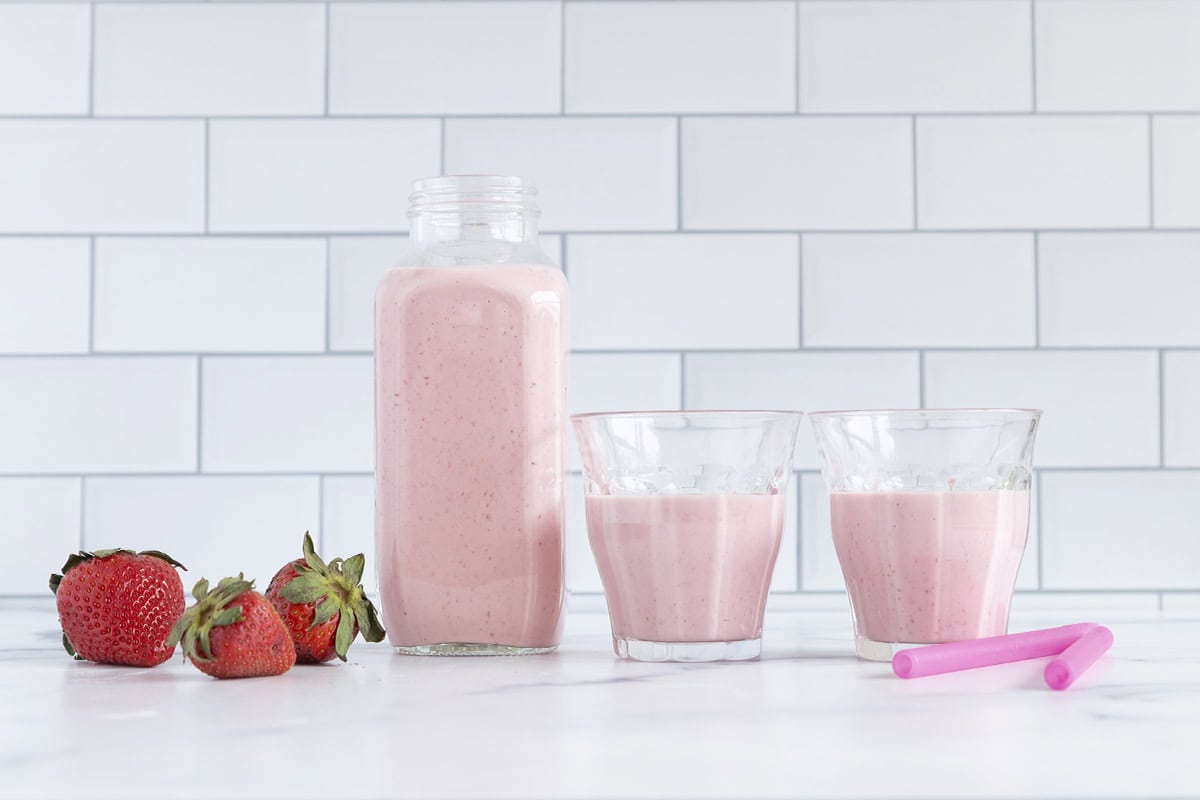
x: 474, y: 192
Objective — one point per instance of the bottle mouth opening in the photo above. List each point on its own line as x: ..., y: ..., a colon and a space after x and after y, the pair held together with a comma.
x: 473, y: 193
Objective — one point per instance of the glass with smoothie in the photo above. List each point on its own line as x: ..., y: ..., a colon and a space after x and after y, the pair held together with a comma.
x: 684, y: 515
x: 470, y: 411
x: 930, y: 513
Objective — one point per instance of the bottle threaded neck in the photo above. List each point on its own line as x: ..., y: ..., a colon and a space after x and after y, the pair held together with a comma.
x: 473, y: 195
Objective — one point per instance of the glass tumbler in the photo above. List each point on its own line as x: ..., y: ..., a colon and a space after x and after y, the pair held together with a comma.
x: 684, y: 516
x: 930, y: 512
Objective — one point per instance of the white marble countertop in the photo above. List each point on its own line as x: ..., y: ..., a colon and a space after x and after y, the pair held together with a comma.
x: 808, y: 720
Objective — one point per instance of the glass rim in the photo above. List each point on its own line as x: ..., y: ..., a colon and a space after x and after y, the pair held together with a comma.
x: 1033, y: 413
x: 708, y: 412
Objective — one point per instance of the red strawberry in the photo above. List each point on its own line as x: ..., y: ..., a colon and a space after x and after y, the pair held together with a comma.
x: 232, y: 632
x: 117, y: 606
x: 324, y: 605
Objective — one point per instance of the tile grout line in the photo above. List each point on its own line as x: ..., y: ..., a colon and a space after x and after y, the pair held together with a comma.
x: 800, y: 288
x: 682, y: 381
x: 796, y: 56
x: 1151, y: 469
x: 1150, y: 162
x: 604, y: 115
x: 83, y: 482
x: 207, y: 173
x: 199, y: 414
x: 1041, y: 493
x: 746, y: 232
x: 321, y: 543
x: 1033, y: 55
x: 1162, y: 408
x: 328, y: 299
x: 921, y: 378
x: 594, y: 351
x: 327, y: 39
x: 91, y: 344
x: 1037, y: 291
x: 91, y: 60
x: 679, y: 173
x: 913, y: 135
x: 562, y: 57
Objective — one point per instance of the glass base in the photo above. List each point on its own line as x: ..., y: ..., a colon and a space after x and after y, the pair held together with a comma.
x: 871, y: 650
x: 467, y: 649
x: 642, y: 650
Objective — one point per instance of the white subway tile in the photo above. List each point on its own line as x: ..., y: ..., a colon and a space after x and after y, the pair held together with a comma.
x: 445, y: 58
x: 1101, y: 55
x: 582, y: 575
x: 581, y: 572
x: 1186, y: 602
x: 44, y: 295
x: 819, y: 567
x: 102, y: 176
x: 287, y: 414
x: 1101, y: 407
x: 1129, y: 289
x: 1032, y: 172
x: 624, y: 382
x: 924, y: 55
x: 593, y: 174
x: 680, y: 56
x: 685, y: 291
x: 317, y: 175
x: 820, y: 570
x: 621, y: 382
x: 348, y: 522
x: 802, y: 382
x: 1177, y: 172
x: 94, y: 414
x: 215, y: 526
x: 210, y: 59
x: 918, y: 290
x: 41, y: 528
x: 1181, y: 399
x: 1120, y: 530
x: 356, y: 263
x: 765, y: 173
x: 180, y: 294
x: 44, y: 52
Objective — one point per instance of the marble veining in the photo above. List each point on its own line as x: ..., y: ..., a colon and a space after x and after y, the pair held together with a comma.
x: 807, y: 720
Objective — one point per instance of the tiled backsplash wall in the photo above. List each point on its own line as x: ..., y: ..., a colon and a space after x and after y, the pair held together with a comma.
x: 782, y: 204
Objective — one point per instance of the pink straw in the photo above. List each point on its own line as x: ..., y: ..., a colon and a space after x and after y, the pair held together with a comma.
x: 1063, y: 669
x: 935, y: 659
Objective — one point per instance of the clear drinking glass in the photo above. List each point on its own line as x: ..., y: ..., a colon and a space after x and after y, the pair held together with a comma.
x: 930, y: 512
x: 684, y: 515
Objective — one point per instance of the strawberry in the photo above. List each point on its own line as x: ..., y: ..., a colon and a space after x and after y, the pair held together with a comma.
x: 117, y: 606
x: 324, y: 605
x: 233, y: 632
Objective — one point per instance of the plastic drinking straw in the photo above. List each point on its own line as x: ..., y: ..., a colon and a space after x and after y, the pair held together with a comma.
x: 1068, y: 665
x: 935, y: 659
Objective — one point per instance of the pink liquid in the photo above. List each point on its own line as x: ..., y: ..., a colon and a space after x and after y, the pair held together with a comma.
x: 685, y: 568
x: 928, y: 567
x: 470, y: 406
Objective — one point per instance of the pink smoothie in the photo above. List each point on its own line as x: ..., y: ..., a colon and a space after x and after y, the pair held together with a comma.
x: 470, y: 403
x: 927, y: 567
x: 685, y: 568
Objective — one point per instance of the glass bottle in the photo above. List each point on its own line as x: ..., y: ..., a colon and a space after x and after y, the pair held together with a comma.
x: 470, y: 405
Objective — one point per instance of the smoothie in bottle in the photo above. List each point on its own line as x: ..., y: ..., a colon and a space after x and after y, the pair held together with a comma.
x: 470, y: 376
